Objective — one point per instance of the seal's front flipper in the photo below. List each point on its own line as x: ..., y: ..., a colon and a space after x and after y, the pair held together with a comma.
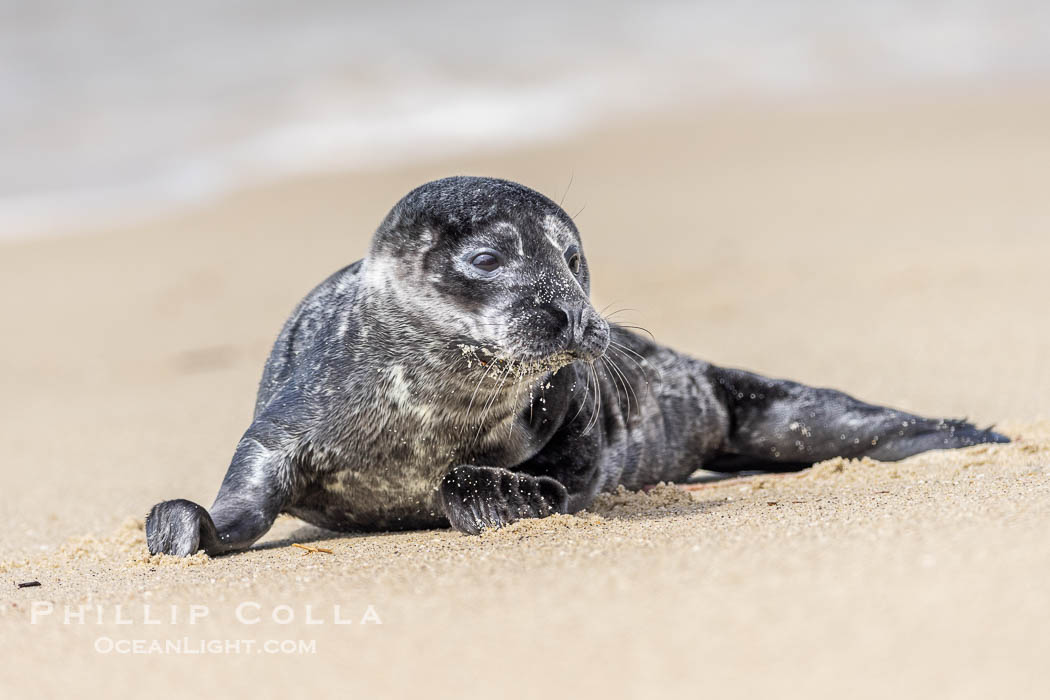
x: 780, y: 425
x: 182, y: 527
x: 256, y: 488
x: 179, y: 528
x: 478, y: 497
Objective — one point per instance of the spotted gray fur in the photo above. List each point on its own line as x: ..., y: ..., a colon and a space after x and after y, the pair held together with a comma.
x: 413, y: 390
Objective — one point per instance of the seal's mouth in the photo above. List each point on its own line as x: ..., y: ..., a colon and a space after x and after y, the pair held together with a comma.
x: 517, y: 367
x: 542, y: 365
x: 590, y: 350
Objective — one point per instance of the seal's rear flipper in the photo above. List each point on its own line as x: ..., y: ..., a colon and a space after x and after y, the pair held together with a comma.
x: 777, y: 425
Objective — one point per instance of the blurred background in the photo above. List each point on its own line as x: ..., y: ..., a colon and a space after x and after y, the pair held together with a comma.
x: 115, y: 108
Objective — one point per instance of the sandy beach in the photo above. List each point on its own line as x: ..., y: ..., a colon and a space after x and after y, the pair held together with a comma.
x: 893, y: 249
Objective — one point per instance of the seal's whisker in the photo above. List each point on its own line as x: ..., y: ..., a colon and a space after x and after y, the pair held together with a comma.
x: 642, y: 370
x: 519, y: 390
x: 484, y: 411
x: 532, y: 401
x: 627, y: 379
x: 618, y: 311
x: 597, y: 406
x: 624, y: 349
x: 583, y: 401
x: 635, y: 327
x: 616, y: 384
x: 572, y: 176
x: 628, y: 388
x: 541, y: 384
x: 513, y: 420
x: 590, y: 379
x: 598, y: 394
x: 618, y: 381
x: 611, y: 303
x: 627, y: 385
x: 476, y: 388
x: 490, y: 403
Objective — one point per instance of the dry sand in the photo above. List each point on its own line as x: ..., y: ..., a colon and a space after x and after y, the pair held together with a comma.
x: 898, y: 252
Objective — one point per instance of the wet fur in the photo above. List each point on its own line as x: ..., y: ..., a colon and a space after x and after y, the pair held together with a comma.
x: 405, y: 391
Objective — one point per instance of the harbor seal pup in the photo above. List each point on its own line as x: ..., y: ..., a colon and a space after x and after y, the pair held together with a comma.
x: 459, y: 375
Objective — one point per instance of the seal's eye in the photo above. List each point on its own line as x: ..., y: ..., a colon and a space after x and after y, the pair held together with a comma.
x: 574, y: 262
x: 485, y: 261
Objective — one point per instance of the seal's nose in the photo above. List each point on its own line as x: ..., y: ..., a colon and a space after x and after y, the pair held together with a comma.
x: 568, y: 322
x: 580, y: 327
x: 576, y: 327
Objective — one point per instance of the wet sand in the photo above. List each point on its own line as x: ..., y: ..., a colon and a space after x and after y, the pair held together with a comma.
x: 897, y: 251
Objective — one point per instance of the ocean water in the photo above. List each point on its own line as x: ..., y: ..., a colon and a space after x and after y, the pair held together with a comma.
x: 111, y: 109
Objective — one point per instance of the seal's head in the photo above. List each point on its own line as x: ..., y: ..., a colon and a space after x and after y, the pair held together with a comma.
x: 489, y: 267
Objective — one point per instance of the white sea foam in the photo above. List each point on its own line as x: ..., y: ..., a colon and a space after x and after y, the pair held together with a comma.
x: 114, y: 109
